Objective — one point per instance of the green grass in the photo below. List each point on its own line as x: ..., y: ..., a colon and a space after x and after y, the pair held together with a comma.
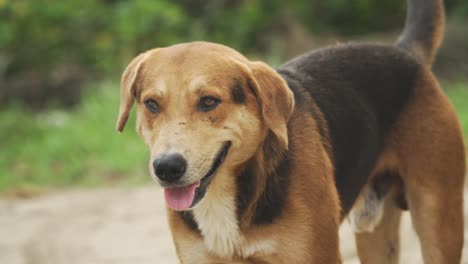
x: 458, y: 94
x: 81, y: 147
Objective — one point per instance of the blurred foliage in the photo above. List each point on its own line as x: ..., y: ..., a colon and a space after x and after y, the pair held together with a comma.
x: 458, y: 8
x: 77, y: 147
x: 102, y: 34
x: 50, y: 46
x: 40, y: 34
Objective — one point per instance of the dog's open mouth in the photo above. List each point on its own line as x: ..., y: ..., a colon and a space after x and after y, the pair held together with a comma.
x: 183, y: 198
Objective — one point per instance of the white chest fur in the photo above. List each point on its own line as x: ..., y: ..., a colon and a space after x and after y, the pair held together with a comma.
x: 218, y: 223
x: 217, y: 220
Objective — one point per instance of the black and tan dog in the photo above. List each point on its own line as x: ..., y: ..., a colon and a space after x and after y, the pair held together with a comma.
x: 261, y: 165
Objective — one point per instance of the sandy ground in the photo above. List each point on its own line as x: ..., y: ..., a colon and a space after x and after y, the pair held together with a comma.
x: 115, y: 226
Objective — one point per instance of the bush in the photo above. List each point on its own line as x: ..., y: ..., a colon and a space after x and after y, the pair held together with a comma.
x: 47, y: 47
x: 96, y: 33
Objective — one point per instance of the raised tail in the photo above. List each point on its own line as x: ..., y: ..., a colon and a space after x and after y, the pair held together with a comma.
x: 424, y: 29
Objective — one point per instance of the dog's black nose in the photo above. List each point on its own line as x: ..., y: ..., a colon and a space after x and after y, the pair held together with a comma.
x: 169, y: 168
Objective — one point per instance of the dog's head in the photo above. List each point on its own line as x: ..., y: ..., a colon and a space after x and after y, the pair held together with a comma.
x: 202, y: 108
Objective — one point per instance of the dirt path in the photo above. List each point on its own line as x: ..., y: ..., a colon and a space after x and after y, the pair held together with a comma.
x: 114, y: 226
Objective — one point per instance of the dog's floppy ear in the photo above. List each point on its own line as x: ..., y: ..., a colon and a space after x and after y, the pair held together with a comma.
x: 127, y: 88
x: 275, y: 97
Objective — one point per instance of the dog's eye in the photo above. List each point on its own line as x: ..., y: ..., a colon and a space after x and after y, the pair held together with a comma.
x: 208, y: 103
x: 152, y: 105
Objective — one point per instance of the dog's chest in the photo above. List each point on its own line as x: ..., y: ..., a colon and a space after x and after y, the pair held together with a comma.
x: 217, y: 221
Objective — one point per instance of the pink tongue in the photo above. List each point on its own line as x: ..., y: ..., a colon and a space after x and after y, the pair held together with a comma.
x: 180, y: 198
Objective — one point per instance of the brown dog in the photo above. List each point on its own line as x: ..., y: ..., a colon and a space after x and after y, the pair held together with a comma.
x: 261, y: 165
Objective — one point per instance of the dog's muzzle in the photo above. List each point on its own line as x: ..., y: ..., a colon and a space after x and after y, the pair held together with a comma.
x: 184, y: 198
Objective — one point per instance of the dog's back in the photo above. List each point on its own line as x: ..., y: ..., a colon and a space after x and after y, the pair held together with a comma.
x: 362, y: 88
x: 394, y: 136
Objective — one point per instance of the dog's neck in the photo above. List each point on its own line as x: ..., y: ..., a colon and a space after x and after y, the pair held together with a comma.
x: 216, y: 219
x: 262, y: 184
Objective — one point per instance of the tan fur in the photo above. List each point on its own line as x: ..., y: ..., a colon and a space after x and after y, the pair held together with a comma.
x: 425, y: 147
x: 381, y: 245
x: 315, y: 242
x: 433, y: 166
